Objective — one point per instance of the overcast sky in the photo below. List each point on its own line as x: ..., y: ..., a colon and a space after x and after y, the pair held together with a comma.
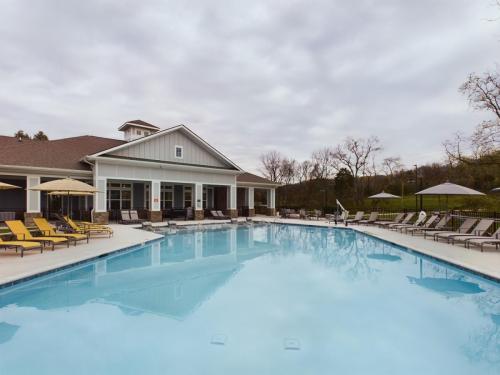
x: 248, y: 76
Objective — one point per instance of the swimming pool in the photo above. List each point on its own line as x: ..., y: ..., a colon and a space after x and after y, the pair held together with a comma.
x: 261, y: 299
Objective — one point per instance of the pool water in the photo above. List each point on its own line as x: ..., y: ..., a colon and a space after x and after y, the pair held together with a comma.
x: 261, y: 299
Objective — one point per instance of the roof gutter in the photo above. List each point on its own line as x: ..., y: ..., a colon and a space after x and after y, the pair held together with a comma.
x: 45, y: 171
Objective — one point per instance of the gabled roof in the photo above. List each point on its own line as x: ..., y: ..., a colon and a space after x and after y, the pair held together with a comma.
x: 66, y: 153
x: 140, y: 124
x: 250, y: 178
x: 182, y: 128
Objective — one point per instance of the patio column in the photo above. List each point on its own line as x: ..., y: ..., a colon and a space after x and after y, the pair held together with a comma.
x: 198, y: 199
x: 100, y: 214
x: 251, y: 201
x: 154, y: 214
x: 33, y: 201
x: 231, y: 201
x: 271, y: 197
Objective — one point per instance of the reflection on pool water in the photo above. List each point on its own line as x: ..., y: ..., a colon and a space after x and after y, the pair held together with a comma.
x: 262, y: 299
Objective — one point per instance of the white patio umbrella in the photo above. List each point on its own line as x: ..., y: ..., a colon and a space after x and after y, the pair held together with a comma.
x: 495, y: 190
x: 384, y: 195
x: 448, y: 189
x: 5, y: 186
x: 67, y: 187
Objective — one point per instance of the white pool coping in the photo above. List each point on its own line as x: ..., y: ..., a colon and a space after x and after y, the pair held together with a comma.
x: 13, y: 268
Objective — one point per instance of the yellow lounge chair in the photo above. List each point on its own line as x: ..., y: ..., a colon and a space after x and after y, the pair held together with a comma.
x: 88, y: 228
x: 23, y: 245
x: 47, y: 230
x: 23, y: 234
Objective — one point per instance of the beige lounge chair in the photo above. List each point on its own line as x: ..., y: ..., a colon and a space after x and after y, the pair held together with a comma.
x: 359, y: 216
x: 479, y: 231
x: 406, y: 220
x: 396, y: 220
x: 430, y: 221
x: 494, y: 239
x: 464, y: 228
x: 371, y: 219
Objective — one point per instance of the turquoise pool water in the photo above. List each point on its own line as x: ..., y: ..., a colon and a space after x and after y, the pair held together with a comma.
x: 267, y: 299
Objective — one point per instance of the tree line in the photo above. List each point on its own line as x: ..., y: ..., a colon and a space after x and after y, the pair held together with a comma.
x: 352, y: 169
x: 38, y: 136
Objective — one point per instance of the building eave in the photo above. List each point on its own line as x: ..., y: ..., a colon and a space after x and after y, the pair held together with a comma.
x: 44, y: 171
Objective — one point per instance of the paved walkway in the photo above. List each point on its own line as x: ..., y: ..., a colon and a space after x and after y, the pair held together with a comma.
x: 486, y: 263
x: 13, y: 267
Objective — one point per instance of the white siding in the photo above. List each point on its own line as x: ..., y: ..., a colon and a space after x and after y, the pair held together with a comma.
x: 163, y: 148
x: 142, y: 173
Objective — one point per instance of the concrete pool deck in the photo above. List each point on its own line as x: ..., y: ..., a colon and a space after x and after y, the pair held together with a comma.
x: 14, y: 268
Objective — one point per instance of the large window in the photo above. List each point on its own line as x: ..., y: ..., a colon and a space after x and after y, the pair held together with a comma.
x: 119, y: 196
x: 167, y: 196
x: 208, y: 197
x: 188, y: 196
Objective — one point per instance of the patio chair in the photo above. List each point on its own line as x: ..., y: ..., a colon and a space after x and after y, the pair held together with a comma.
x: 215, y: 215
x: 22, y: 233
x: 23, y: 245
x: 373, y: 218
x: 478, y: 231
x: 87, y: 228
x: 359, y: 216
x: 396, y: 220
x: 47, y: 230
x: 430, y: 221
x: 405, y: 221
x: 125, y: 217
x: 464, y: 228
x: 418, y: 223
x: 134, y: 217
x: 440, y: 226
x: 494, y: 239
x: 222, y: 216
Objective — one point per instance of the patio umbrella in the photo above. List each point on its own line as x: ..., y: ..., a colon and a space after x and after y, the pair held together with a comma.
x: 384, y: 195
x: 495, y: 190
x: 4, y: 186
x: 448, y: 189
x: 65, y: 186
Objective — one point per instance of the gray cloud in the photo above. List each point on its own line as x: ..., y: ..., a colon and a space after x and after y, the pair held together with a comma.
x: 248, y: 76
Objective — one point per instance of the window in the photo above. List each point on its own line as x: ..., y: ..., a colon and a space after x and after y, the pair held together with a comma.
x: 208, y: 197
x: 146, y: 133
x: 139, y: 132
x: 167, y: 196
x: 188, y: 196
x: 119, y: 196
x: 178, y: 152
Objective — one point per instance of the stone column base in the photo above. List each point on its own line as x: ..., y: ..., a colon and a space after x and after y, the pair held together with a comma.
x: 199, y: 214
x: 155, y: 216
x: 231, y: 213
x: 271, y: 212
x: 28, y: 218
x: 251, y: 212
x: 100, y: 217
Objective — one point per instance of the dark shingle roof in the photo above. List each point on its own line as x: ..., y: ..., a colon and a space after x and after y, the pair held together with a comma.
x: 65, y: 153
x: 139, y: 123
x: 253, y: 178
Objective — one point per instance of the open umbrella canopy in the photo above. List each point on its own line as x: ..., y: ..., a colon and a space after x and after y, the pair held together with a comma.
x: 449, y: 188
x: 71, y: 193
x: 384, y: 195
x: 4, y: 186
x: 65, y: 185
x: 495, y: 190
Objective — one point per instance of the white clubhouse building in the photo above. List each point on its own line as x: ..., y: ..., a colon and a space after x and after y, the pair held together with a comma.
x: 170, y: 173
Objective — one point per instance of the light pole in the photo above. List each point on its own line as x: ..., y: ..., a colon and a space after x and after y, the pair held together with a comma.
x: 416, y: 187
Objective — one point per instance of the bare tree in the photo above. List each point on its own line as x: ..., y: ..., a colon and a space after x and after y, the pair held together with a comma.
x: 483, y: 93
x: 271, y: 165
x: 392, y: 165
x: 304, y: 171
x: 288, y: 170
x: 356, y: 154
x: 323, y: 163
